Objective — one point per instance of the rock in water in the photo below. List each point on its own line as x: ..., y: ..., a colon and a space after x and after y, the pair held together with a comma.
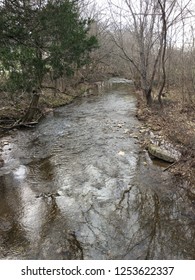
x: 161, y: 153
x: 1, y: 162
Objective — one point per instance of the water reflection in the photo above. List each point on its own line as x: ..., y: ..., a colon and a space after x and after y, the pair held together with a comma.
x: 80, y: 189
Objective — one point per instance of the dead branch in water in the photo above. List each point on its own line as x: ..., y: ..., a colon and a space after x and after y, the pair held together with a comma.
x: 170, y: 166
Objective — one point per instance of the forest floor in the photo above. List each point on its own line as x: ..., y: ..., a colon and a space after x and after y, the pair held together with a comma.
x: 175, y: 122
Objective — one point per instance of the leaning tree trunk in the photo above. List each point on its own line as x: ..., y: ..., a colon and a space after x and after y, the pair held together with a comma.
x: 33, y: 108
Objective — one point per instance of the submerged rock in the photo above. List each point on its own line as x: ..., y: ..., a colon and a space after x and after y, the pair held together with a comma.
x: 161, y: 153
x: 1, y: 162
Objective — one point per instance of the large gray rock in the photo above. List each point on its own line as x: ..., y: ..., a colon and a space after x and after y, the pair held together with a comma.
x: 161, y: 153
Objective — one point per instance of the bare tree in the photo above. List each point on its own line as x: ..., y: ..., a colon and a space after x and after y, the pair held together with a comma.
x: 146, y: 23
x: 141, y: 20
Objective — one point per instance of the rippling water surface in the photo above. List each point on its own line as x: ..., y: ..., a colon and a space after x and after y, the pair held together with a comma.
x: 80, y: 187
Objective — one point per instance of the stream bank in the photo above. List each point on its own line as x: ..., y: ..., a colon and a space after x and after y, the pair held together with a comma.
x: 174, y: 127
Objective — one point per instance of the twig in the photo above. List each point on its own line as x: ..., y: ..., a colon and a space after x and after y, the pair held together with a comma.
x: 170, y: 166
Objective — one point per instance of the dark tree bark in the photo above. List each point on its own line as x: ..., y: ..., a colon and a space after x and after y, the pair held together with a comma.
x: 164, y: 45
x: 33, y: 108
x: 148, y: 94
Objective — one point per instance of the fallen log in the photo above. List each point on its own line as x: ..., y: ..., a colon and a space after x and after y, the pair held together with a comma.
x: 17, y: 125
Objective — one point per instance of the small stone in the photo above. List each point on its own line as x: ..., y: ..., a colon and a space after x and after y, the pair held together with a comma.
x: 133, y: 135
x: 59, y: 193
x: 59, y: 250
x: 142, y: 130
x: 121, y: 153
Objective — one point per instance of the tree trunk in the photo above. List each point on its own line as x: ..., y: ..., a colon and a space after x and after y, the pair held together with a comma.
x: 148, y: 95
x: 32, y: 110
x: 164, y: 46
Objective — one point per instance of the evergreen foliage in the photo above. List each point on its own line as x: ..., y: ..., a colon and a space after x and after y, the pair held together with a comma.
x: 37, y: 37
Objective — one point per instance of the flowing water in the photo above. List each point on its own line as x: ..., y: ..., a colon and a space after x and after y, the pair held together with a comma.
x: 79, y: 186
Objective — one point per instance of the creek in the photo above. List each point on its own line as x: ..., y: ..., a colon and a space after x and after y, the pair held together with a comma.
x: 79, y: 186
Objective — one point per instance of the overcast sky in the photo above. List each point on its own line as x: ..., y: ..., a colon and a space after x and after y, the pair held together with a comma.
x: 190, y: 21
